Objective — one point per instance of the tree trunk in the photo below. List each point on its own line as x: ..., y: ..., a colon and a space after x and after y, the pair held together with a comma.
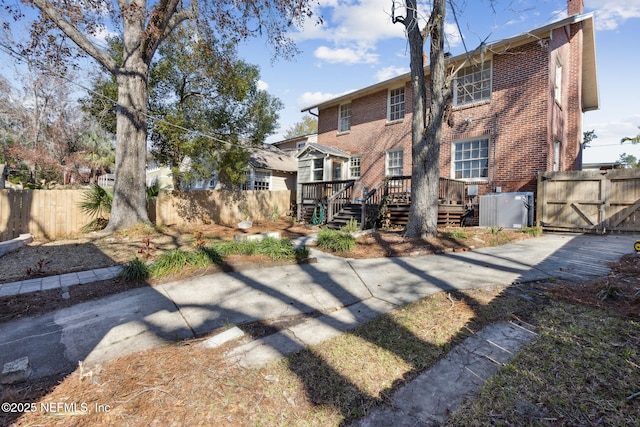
x: 425, y: 153
x: 129, y: 205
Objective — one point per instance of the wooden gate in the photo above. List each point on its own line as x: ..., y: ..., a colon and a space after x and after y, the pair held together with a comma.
x: 596, y: 201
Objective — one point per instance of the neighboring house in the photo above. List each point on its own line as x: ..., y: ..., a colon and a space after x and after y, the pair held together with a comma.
x: 296, y: 144
x: 602, y: 166
x: 516, y: 112
x: 159, y: 174
x: 269, y: 168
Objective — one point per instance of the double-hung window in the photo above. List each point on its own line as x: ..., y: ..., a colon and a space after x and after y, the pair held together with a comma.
x: 317, y: 169
x: 471, y: 159
x: 394, y: 162
x: 395, y: 110
x: 558, y: 83
x: 344, y: 118
x: 473, y: 84
x: 354, y: 167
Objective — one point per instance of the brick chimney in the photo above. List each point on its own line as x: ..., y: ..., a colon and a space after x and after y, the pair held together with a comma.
x: 575, y: 7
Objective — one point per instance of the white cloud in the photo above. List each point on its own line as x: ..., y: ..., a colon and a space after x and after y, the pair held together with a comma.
x: 612, y: 131
x: 348, y: 21
x: 611, y: 14
x: 390, y: 72
x: 308, y: 99
x: 101, y: 35
x: 345, y: 55
x: 262, y: 85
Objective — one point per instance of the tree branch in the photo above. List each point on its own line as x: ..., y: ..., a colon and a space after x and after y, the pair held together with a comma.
x: 164, y: 19
x: 75, y: 35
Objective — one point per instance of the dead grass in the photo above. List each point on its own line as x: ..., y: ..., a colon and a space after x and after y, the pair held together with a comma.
x: 584, y: 369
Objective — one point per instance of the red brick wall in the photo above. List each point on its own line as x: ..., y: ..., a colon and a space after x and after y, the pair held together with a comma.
x: 519, y: 120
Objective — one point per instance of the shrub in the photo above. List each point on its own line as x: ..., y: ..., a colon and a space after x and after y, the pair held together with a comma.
x: 351, y: 227
x: 276, y: 249
x: 335, y: 241
x: 532, y: 231
x: 176, y: 260
x: 135, y: 270
x: 458, y: 235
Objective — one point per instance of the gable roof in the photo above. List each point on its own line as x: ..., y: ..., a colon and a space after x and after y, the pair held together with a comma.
x: 590, y: 95
x: 273, y: 158
x: 323, y: 149
x: 307, y: 138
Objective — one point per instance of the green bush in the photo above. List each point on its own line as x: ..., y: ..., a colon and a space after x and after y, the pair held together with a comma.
x: 135, y: 270
x: 351, y: 227
x: 276, y: 249
x: 335, y: 241
x: 532, y: 231
x: 458, y: 235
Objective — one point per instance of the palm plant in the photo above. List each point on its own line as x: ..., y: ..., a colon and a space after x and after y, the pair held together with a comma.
x: 96, y: 203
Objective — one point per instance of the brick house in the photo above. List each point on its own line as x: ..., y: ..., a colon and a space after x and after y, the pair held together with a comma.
x: 517, y: 111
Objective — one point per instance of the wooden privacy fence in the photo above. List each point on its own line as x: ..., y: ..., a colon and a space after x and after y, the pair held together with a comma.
x: 221, y: 207
x: 51, y: 214
x: 44, y: 214
x: 595, y: 201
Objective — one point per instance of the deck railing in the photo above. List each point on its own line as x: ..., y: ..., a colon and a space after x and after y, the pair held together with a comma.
x: 338, y: 200
x: 313, y: 192
x: 398, y: 190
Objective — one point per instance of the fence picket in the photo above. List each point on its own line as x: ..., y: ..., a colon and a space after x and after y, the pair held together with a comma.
x: 52, y: 214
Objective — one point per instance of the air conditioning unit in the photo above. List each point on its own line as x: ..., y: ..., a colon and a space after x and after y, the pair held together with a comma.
x: 507, y: 210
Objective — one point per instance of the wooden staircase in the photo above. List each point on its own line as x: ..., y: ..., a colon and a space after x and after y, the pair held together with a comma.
x: 335, y: 204
x: 348, y: 213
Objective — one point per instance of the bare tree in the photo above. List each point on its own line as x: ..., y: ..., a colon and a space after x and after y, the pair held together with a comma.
x: 144, y: 26
x: 426, y: 131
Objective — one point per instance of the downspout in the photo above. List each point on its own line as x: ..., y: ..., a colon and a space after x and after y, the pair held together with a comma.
x: 495, y: 143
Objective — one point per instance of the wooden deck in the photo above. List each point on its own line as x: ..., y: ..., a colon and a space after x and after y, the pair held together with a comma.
x: 394, y: 194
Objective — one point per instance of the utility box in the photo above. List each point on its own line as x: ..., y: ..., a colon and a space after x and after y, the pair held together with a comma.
x: 507, y: 210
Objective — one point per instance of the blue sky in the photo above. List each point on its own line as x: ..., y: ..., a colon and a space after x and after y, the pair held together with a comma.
x: 358, y: 46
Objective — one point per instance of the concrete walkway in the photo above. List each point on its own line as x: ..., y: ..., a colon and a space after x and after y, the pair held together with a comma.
x: 349, y: 292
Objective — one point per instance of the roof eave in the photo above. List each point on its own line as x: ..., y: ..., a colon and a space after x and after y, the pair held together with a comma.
x: 590, y: 91
x: 590, y: 102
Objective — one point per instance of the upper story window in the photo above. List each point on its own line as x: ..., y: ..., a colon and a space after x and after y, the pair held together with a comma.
x: 344, y: 118
x: 395, y: 110
x: 394, y: 162
x: 557, y: 86
x: 300, y: 145
x: 354, y: 167
x: 471, y: 159
x: 473, y: 84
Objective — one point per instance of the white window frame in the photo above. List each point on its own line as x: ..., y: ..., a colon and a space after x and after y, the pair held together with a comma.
x: 261, y: 179
x: 471, y: 159
x: 354, y: 166
x: 344, y: 118
x: 473, y: 84
x: 394, y: 162
x: 300, y: 145
x: 315, y: 169
x: 396, y: 104
x: 557, y: 85
x: 257, y: 179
